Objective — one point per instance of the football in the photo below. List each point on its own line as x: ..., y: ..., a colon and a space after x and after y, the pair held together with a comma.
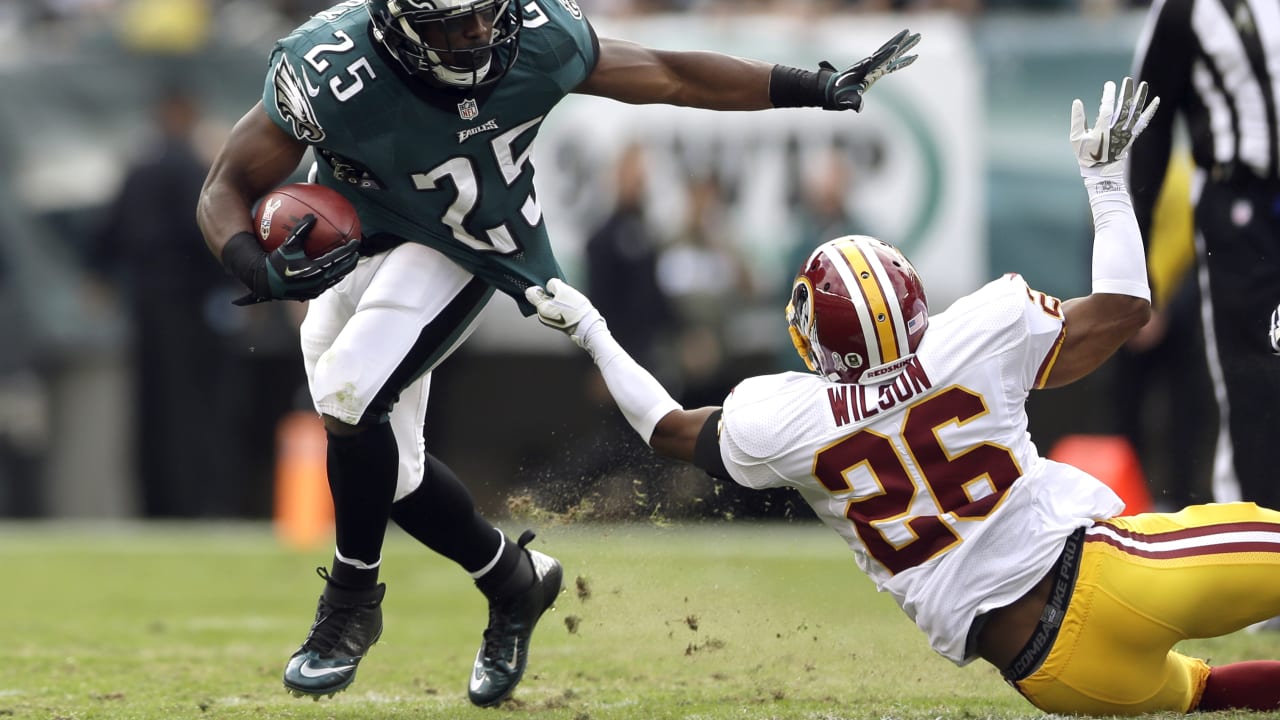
x: 282, y: 209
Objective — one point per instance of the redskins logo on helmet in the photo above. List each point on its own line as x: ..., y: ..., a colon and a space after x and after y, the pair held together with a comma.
x: 857, y: 310
x: 428, y: 38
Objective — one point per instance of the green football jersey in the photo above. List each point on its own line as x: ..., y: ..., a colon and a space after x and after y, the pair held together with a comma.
x: 448, y: 169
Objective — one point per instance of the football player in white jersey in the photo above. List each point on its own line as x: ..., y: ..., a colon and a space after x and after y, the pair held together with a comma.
x: 909, y: 439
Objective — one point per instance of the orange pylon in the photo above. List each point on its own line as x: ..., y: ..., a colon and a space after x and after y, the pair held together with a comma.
x: 1111, y: 459
x: 303, y: 507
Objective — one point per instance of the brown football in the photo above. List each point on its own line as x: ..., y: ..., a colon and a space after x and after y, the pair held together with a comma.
x: 282, y: 209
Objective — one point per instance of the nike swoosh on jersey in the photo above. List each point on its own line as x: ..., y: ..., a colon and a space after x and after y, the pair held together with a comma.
x: 311, y: 89
x: 305, y: 670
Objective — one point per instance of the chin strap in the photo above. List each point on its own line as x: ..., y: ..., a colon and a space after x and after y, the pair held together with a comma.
x: 803, y: 349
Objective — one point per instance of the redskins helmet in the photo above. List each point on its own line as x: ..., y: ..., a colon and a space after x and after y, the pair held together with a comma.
x: 421, y: 34
x: 857, y: 310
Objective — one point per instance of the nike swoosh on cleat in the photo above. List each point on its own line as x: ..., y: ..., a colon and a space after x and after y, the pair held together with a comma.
x: 290, y: 272
x: 306, y: 671
x: 477, y: 675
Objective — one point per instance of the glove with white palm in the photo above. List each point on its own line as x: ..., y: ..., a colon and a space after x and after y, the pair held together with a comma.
x: 563, y: 307
x: 1101, y: 150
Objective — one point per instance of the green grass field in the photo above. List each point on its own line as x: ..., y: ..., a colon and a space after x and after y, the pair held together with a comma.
x: 709, y: 621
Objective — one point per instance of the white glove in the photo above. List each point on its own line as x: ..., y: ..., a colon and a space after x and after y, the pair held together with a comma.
x: 562, y: 307
x: 1274, y: 335
x: 1101, y: 150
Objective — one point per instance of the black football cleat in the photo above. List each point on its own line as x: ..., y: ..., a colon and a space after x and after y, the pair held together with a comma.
x: 348, y: 622
x: 505, y: 651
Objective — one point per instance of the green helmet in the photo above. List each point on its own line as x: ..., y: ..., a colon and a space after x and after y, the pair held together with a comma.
x: 456, y: 44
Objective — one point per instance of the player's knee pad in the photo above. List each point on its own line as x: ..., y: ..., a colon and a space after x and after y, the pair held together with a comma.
x: 337, y: 390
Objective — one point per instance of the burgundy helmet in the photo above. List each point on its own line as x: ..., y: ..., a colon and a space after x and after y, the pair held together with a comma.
x: 857, y: 310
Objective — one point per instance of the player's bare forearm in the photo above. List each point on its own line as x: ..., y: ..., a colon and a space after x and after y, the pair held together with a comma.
x: 634, y: 74
x: 1096, y: 326
x: 221, y: 213
x: 257, y: 157
x: 676, y: 434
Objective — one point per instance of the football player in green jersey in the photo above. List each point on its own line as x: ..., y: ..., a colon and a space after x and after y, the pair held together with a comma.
x: 423, y: 114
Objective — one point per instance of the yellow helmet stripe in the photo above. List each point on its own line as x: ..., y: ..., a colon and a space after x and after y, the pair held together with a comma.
x: 869, y: 283
x: 857, y: 302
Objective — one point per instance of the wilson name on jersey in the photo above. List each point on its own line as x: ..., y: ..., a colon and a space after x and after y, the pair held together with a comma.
x: 448, y: 169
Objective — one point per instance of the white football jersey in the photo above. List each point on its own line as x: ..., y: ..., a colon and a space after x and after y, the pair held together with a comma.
x: 931, y: 477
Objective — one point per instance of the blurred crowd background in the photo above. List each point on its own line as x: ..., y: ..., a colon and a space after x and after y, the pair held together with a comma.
x: 131, y: 387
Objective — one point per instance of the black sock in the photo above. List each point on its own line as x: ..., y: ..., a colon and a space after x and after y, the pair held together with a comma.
x: 440, y: 514
x: 362, y: 479
x: 512, y: 573
x: 349, y: 576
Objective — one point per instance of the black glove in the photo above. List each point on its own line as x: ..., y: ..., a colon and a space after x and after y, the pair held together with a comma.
x: 844, y: 88
x: 286, y: 273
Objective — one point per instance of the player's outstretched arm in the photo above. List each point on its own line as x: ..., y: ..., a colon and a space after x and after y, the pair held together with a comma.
x: 660, y: 421
x: 635, y: 74
x: 1120, y: 304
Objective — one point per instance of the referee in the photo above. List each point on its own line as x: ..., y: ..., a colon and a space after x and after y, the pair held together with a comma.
x: 1211, y: 63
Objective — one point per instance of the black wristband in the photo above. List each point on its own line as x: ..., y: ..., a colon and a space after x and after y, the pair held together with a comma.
x: 244, y: 258
x: 706, y: 449
x: 796, y: 87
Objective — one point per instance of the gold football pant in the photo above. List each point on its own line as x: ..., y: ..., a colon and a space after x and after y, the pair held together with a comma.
x: 1145, y: 583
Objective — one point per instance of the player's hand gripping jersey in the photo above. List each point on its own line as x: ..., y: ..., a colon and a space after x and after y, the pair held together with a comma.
x: 931, y: 477
x: 449, y: 169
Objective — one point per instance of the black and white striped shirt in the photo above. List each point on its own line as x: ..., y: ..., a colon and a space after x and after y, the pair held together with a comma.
x: 1215, y: 62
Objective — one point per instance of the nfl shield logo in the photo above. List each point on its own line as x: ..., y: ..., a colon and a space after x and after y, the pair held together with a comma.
x: 468, y: 109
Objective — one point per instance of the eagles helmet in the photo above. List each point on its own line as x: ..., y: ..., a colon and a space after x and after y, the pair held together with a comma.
x: 857, y: 310
x: 444, y: 41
